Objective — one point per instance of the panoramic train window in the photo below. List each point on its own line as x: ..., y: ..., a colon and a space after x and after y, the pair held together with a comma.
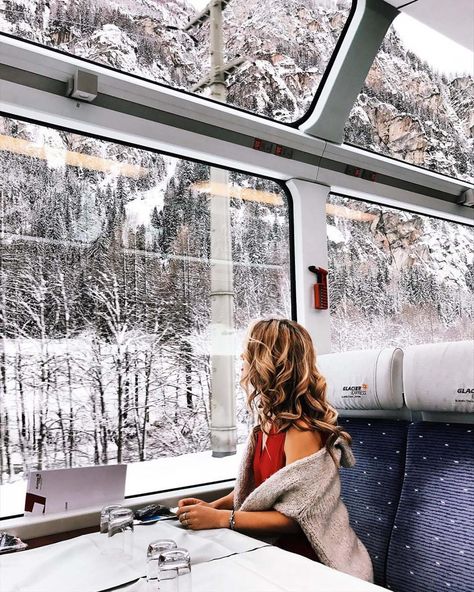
x: 416, y: 103
x: 273, y: 54
x: 105, y: 298
x: 396, y: 277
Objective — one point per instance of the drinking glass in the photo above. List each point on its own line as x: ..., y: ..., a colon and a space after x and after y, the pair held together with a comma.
x: 120, y: 533
x: 174, y: 571
x: 155, y: 548
x: 104, y: 517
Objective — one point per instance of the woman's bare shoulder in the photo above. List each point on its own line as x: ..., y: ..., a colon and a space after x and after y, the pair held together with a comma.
x: 301, y: 443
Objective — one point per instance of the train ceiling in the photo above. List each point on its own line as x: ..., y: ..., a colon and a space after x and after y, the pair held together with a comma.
x: 453, y: 18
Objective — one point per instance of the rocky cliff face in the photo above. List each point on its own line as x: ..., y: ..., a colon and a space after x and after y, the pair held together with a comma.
x: 405, y: 110
x: 461, y: 92
x: 288, y: 45
x: 408, y: 111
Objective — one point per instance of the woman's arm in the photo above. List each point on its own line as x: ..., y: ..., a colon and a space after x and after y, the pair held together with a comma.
x: 199, y: 516
x: 224, y: 503
x: 297, y: 445
x: 270, y: 521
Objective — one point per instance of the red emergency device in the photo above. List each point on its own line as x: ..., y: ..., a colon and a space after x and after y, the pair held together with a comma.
x: 320, y: 287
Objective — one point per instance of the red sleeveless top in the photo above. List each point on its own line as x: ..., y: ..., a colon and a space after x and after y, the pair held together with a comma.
x: 266, y: 462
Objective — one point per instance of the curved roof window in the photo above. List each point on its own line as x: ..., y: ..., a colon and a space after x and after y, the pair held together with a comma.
x: 417, y: 100
x: 274, y: 52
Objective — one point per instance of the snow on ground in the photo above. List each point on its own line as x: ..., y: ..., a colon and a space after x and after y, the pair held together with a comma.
x: 180, y: 471
x: 147, y: 477
x: 334, y: 234
x: 140, y: 209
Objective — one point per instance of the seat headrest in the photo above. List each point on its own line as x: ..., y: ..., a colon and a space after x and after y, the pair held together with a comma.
x: 440, y: 377
x: 364, y: 380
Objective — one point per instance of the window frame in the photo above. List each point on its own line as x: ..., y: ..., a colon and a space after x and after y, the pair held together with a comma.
x: 293, y: 124
x: 291, y: 239
x: 329, y: 67
x: 399, y: 161
x: 34, y: 81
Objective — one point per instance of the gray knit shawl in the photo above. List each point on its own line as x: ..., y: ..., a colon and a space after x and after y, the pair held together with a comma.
x: 308, y: 490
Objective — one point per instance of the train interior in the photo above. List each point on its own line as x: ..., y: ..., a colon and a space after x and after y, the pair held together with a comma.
x: 172, y: 171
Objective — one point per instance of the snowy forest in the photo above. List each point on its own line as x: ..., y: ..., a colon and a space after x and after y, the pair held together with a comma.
x: 396, y: 277
x: 105, y: 297
x: 105, y: 249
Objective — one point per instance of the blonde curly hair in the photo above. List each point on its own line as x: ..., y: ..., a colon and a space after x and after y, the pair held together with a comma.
x: 283, y: 383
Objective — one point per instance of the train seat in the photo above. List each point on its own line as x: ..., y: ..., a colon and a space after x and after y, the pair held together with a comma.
x: 431, y: 547
x: 362, y: 384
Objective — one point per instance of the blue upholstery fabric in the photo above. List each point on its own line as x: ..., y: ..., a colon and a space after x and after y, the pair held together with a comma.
x: 371, y: 489
x: 432, y: 545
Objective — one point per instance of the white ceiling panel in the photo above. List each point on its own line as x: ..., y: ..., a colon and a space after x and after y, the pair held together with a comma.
x: 398, y: 3
x: 452, y: 18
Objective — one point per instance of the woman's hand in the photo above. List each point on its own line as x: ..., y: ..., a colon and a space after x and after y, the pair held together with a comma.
x: 201, y: 516
x: 191, y: 501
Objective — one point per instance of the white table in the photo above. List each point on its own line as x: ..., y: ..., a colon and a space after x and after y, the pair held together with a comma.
x: 221, y: 559
x: 270, y: 569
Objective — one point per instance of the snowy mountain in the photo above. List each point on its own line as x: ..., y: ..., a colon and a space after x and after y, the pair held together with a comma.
x: 408, y: 111
x: 288, y: 45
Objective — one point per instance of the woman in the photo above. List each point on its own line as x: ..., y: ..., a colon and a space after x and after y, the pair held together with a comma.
x: 288, y: 484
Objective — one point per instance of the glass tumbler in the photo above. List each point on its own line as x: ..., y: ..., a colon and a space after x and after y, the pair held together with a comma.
x: 174, y: 571
x: 104, y: 517
x: 155, y: 548
x: 120, y: 533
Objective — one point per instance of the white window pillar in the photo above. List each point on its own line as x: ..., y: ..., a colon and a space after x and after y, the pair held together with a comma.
x: 223, y: 405
x: 309, y: 206
x: 360, y: 45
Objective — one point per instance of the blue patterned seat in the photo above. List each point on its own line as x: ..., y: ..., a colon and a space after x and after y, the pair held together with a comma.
x: 432, y: 544
x: 371, y: 489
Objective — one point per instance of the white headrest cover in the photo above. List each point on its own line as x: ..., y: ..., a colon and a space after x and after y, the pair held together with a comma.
x: 367, y: 379
x: 440, y: 377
